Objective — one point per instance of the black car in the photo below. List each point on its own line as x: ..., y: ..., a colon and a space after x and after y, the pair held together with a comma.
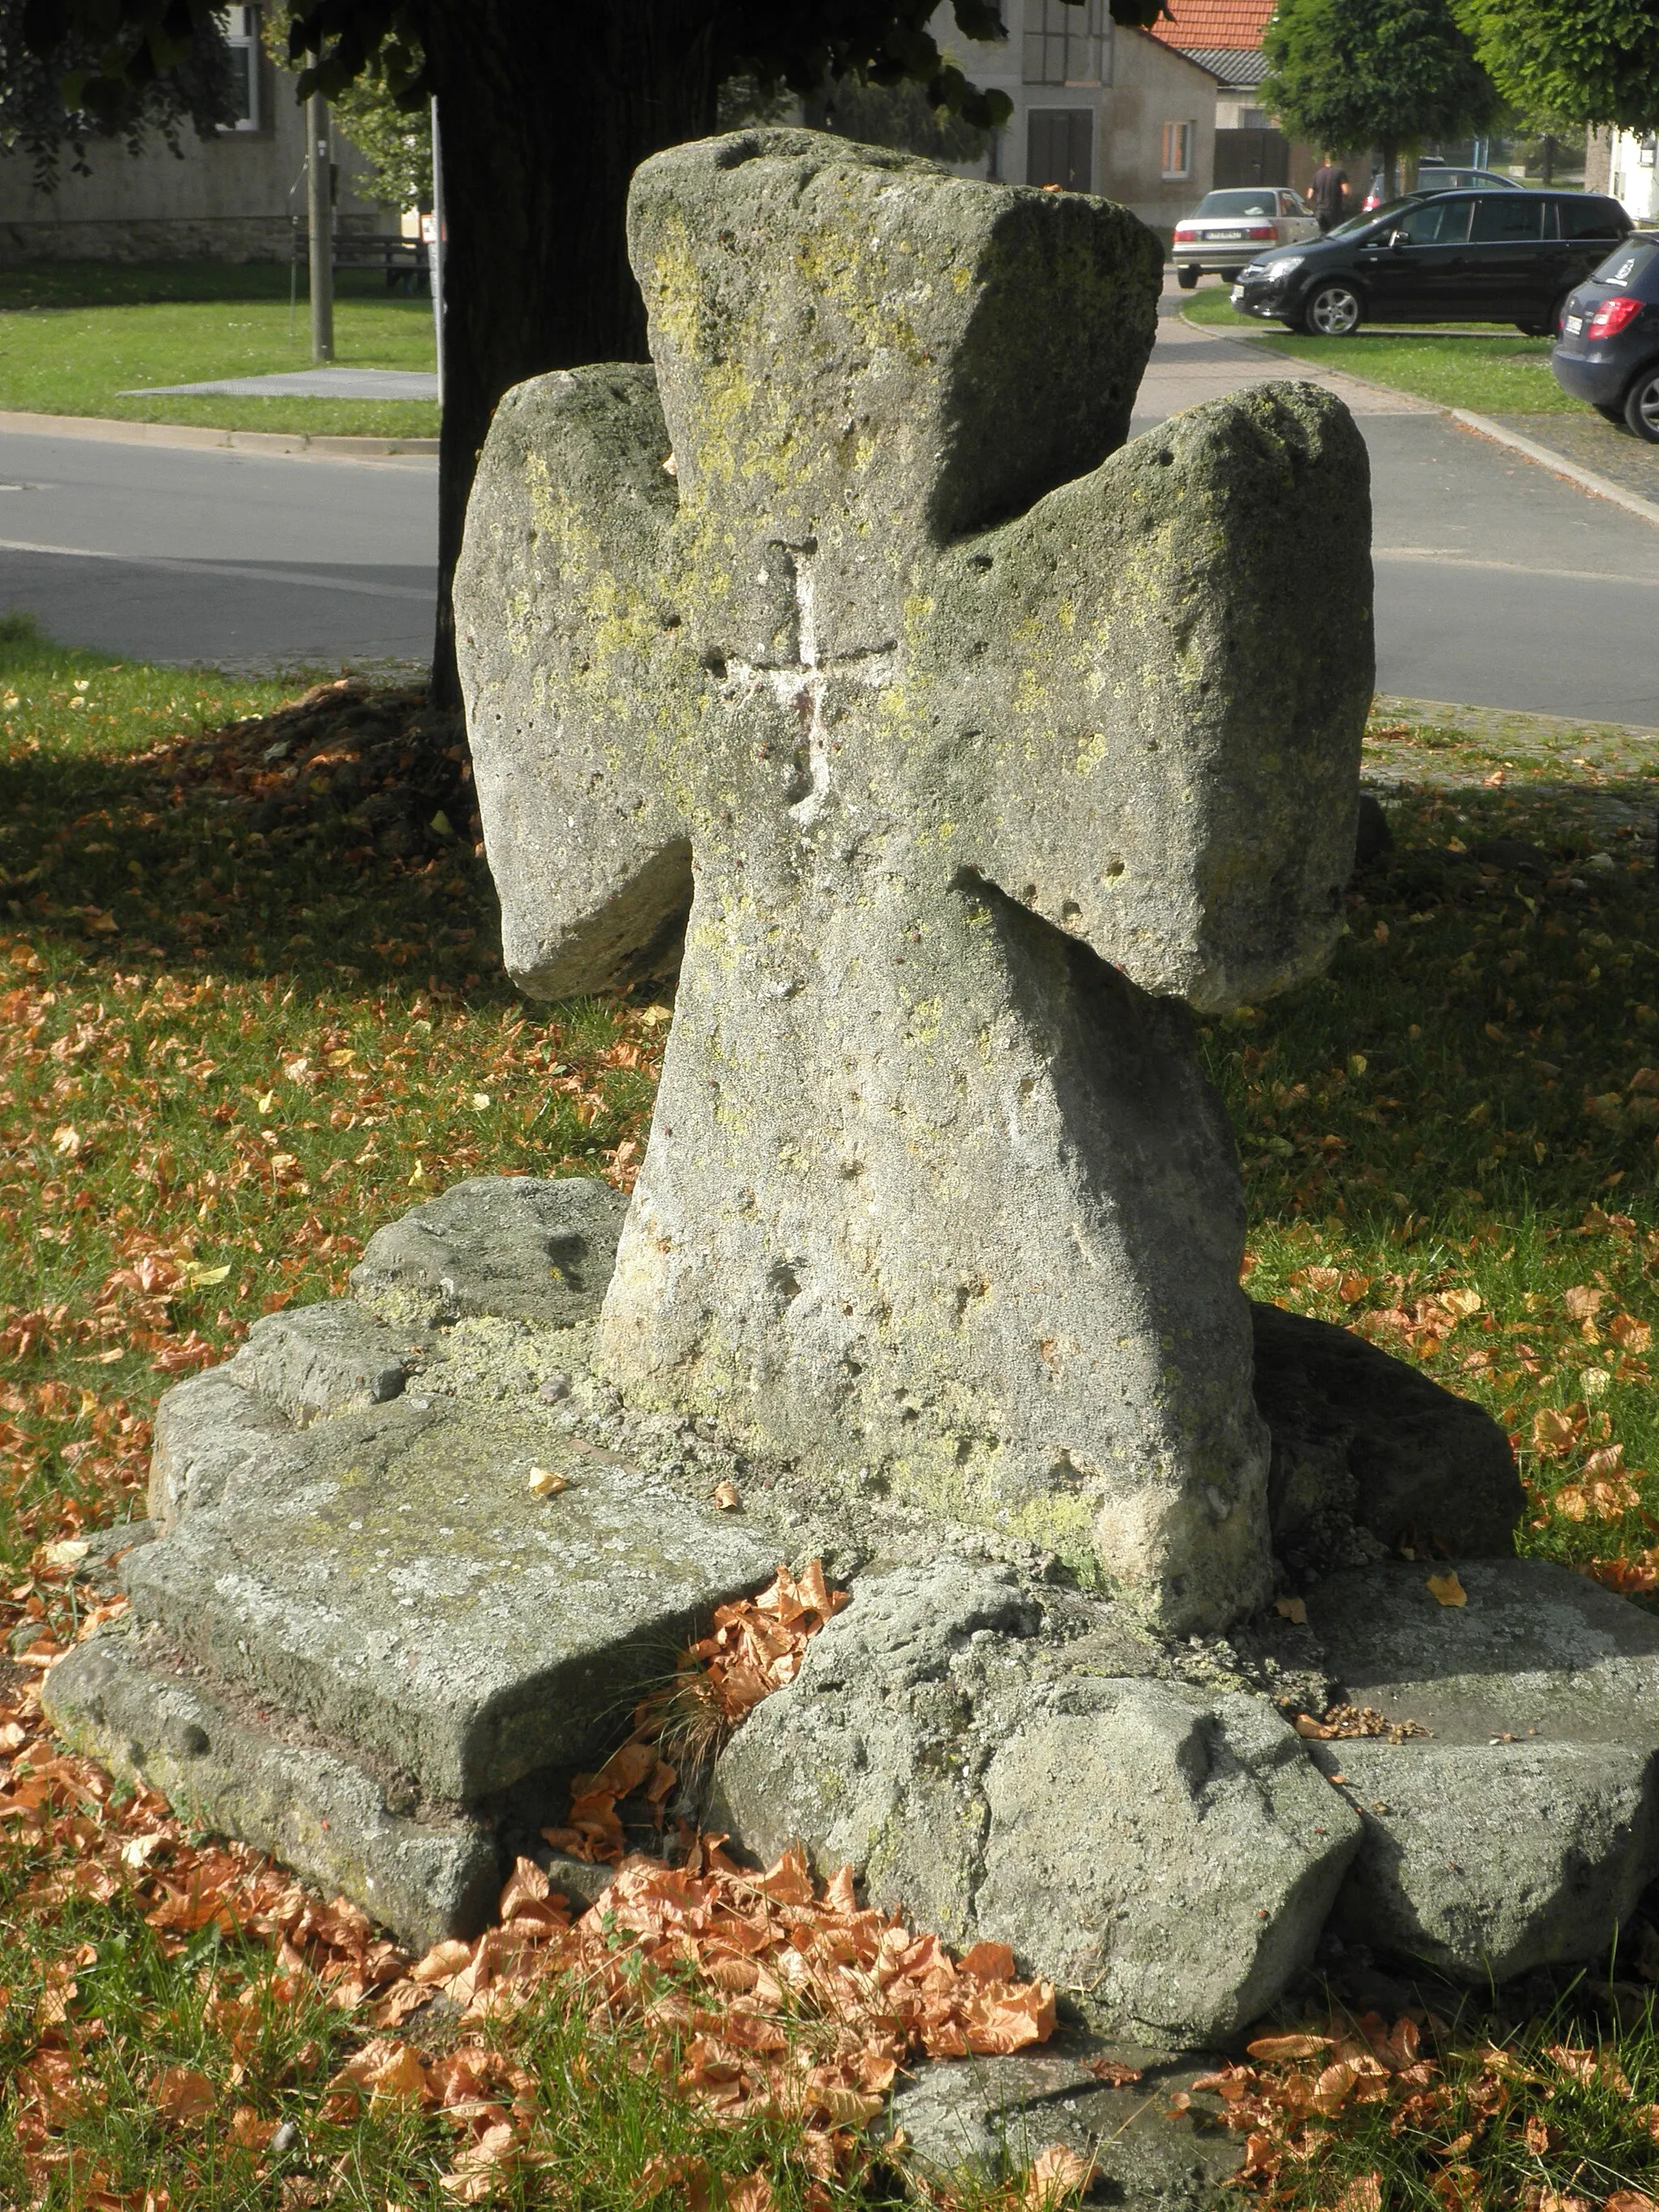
x: 1485, y: 257
x: 1608, y: 350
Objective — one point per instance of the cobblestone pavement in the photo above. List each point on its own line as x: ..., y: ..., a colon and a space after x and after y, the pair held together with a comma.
x: 1590, y: 443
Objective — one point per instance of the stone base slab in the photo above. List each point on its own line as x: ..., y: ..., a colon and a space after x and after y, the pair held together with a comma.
x: 120, y: 1699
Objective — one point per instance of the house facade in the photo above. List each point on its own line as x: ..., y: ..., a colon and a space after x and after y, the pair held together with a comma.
x: 230, y: 198
x: 1626, y: 164
x: 1098, y: 108
x: 1224, y: 37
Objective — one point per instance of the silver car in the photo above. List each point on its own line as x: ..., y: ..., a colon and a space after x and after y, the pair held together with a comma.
x: 1232, y: 227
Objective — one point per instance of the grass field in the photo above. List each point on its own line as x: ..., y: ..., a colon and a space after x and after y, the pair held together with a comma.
x: 75, y: 337
x: 1497, y: 371
x: 236, y: 1042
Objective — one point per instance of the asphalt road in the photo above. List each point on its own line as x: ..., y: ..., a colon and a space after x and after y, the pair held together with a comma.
x: 169, y: 554
x: 1498, y: 584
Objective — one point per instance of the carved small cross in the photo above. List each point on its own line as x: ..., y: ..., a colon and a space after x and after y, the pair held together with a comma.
x: 976, y: 740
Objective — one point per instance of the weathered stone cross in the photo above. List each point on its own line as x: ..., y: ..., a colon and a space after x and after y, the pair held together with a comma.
x: 977, y: 741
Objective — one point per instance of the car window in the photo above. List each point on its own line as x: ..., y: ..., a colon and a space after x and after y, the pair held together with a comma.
x: 1587, y: 215
x: 1374, y: 219
x: 1436, y: 223
x: 1237, y: 203
x: 1633, y: 268
x: 1501, y: 219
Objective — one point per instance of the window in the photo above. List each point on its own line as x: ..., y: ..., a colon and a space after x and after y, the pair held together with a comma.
x: 241, y: 27
x: 1066, y: 44
x: 1232, y: 202
x: 1441, y: 222
x: 1508, y: 218
x: 1177, y: 154
x: 1589, y: 217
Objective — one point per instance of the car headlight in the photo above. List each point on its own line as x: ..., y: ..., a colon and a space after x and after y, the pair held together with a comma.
x: 1279, y: 268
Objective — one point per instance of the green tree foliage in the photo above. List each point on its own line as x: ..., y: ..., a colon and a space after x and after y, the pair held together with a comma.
x: 69, y: 82
x: 393, y: 138
x: 1382, y: 73
x: 1579, y: 61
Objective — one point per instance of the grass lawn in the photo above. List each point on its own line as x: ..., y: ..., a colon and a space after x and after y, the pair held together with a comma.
x: 240, y: 1034
x: 75, y: 335
x: 1497, y: 371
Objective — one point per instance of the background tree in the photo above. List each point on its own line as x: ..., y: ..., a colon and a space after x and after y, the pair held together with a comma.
x: 160, y: 87
x: 1584, y: 61
x: 545, y: 108
x: 395, y: 141
x: 1375, y: 73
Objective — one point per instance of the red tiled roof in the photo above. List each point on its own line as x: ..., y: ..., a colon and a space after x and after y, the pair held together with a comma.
x: 1235, y: 23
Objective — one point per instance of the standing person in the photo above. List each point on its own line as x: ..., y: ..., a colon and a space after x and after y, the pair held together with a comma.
x: 1330, y: 193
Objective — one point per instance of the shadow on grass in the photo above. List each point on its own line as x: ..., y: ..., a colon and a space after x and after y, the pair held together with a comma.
x: 330, y: 841
x: 1470, y: 1051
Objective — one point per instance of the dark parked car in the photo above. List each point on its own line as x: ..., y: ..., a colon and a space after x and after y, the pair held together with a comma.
x: 1501, y: 257
x: 1608, y: 350
x: 1435, y: 177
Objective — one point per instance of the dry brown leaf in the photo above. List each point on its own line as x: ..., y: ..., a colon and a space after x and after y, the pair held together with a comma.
x: 1446, y: 1589
x: 547, y: 1482
x: 1552, y: 1431
x: 1362, y: 2194
x: 182, y: 2095
x: 1597, y: 1501
x: 1582, y: 1302
x: 1274, y: 2050
x: 1054, y: 2176
x: 1291, y: 1608
x: 1630, y: 2200
x: 1630, y: 1335
x: 404, y: 1998
x: 752, y: 2194
x: 725, y: 1495
x: 687, y: 2177
x: 442, y: 1962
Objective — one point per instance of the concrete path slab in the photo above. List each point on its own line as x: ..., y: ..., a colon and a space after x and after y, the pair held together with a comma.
x: 312, y: 384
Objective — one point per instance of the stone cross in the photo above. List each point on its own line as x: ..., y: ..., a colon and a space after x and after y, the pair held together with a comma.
x: 977, y: 741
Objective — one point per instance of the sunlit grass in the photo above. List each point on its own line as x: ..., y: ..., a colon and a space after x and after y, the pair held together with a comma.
x: 80, y: 339
x: 1497, y: 371
x: 240, y: 1049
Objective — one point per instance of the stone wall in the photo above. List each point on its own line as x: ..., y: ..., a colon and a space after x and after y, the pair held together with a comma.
x: 178, y: 238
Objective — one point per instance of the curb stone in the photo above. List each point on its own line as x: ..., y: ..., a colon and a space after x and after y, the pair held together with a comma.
x: 286, y: 444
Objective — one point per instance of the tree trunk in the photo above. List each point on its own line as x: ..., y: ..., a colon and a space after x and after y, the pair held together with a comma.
x: 545, y: 114
x: 1546, y: 163
x: 1391, y: 173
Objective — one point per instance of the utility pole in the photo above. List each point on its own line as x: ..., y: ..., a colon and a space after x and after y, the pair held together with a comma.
x: 435, y: 258
x: 319, y: 218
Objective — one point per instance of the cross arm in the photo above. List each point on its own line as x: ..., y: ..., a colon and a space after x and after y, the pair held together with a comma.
x: 570, y: 646
x: 1180, y: 648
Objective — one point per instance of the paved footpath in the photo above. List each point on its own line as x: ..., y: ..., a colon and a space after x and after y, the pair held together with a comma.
x: 1497, y: 583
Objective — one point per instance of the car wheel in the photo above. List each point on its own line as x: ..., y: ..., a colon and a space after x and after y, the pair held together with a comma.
x: 1331, y: 311
x: 1536, y: 329
x: 1642, y: 404
x: 1187, y: 278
